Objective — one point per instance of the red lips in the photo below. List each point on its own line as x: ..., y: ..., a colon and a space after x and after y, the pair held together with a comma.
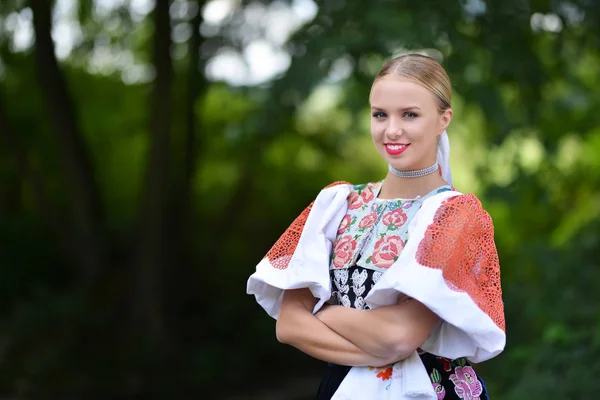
x: 395, y: 149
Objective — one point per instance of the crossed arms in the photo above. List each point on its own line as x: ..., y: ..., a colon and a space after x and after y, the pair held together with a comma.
x: 353, y: 337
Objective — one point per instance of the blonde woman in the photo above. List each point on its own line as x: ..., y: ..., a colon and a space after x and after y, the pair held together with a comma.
x: 396, y: 283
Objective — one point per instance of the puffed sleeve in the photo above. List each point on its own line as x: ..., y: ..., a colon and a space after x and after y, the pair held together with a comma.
x: 300, y: 257
x: 451, y: 265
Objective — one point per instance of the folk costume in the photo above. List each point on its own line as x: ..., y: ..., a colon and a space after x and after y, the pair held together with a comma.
x: 352, y: 249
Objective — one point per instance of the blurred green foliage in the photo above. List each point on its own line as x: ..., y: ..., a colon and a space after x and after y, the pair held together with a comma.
x: 130, y: 278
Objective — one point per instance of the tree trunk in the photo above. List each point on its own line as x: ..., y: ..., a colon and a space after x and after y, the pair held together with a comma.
x: 182, y: 291
x: 151, y: 252
x: 31, y: 177
x: 196, y: 84
x: 86, y: 205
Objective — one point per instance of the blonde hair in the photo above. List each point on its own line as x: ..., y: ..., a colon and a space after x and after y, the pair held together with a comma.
x: 425, y: 71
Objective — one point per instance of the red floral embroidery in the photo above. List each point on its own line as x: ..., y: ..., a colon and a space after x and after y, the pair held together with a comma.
x: 356, y: 200
x: 446, y: 362
x: 367, y: 221
x: 386, y: 251
x: 385, y: 374
x: 344, y: 224
x: 367, y: 194
x: 343, y: 251
x: 395, y: 218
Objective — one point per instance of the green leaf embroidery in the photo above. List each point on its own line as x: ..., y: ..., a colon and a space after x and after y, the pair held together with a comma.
x: 435, y: 376
x: 368, y: 260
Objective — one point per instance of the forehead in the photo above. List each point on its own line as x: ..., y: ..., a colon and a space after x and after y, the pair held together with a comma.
x: 394, y: 91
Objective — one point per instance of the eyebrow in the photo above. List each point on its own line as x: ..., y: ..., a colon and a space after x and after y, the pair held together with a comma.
x: 409, y: 108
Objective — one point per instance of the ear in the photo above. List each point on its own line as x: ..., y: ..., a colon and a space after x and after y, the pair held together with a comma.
x: 445, y: 119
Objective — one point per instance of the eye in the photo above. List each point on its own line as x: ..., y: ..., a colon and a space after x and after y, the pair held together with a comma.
x: 410, y: 115
x: 379, y: 114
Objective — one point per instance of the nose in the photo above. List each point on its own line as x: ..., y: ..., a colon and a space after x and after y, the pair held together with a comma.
x: 393, y: 129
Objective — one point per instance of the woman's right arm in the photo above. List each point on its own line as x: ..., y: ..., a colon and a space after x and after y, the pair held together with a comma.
x: 298, y: 327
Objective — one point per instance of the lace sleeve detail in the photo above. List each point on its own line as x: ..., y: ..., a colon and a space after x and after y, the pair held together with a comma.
x: 281, y: 252
x: 460, y: 242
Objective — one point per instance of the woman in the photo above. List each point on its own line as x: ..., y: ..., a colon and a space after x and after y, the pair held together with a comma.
x: 408, y: 265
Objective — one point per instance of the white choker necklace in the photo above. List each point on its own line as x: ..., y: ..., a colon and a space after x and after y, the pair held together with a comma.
x: 414, y: 174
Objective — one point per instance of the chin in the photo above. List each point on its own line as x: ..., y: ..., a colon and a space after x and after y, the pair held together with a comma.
x: 401, y: 165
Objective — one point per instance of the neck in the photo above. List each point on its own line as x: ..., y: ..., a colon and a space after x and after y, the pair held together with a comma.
x: 395, y: 187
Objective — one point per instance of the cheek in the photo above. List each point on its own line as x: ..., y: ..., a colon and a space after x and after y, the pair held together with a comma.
x: 421, y: 130
x: 373, y: 129
x: 376, y: 128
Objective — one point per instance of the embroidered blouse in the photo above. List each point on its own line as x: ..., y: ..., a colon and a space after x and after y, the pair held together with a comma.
x: 369, y: 240
x: 449, y: 263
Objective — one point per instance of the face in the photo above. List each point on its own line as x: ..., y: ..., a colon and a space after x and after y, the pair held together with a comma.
x: 406, y: 122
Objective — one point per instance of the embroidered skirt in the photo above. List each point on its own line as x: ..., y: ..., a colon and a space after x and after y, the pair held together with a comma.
x: 451, y: 379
